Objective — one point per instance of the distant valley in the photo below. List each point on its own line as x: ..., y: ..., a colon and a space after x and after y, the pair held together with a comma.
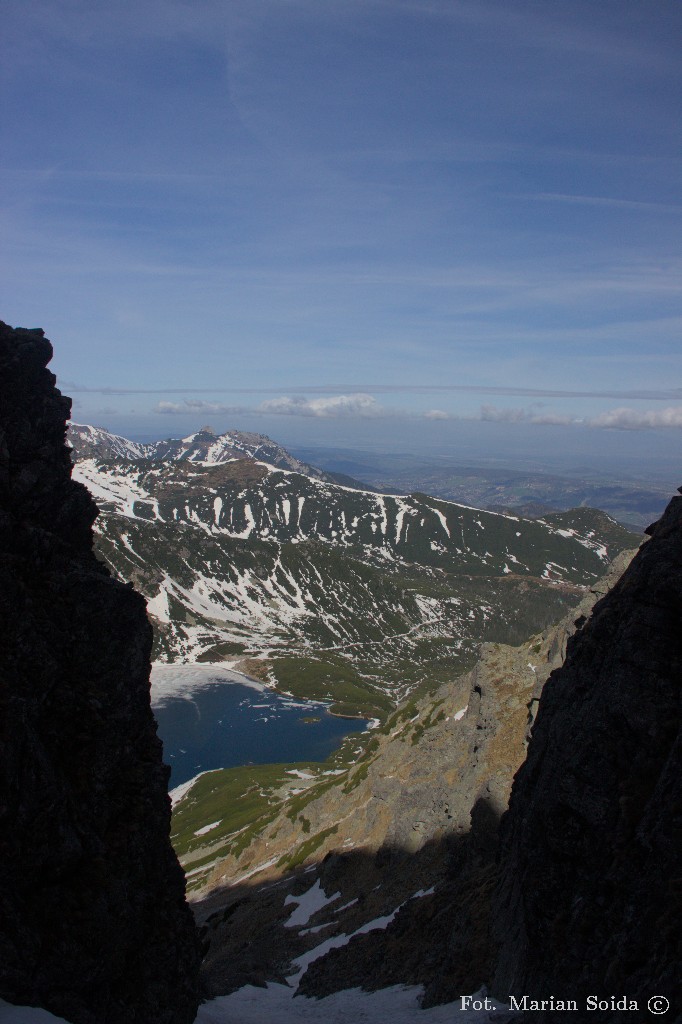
x: 528, y: 492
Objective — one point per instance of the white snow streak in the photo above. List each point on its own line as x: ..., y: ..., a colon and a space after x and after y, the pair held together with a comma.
x: 381, y: 505
x: 207, y: 828
x: 158, y: 606
x: 443, y: 520
x: 402, y: 509
x: 308, y: 904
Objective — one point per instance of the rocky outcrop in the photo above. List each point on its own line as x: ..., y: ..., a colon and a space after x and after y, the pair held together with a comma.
x: 589, y: 898
x: 93, y: 920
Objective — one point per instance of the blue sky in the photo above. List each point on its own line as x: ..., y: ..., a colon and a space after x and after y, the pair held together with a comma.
x: 350, y: 218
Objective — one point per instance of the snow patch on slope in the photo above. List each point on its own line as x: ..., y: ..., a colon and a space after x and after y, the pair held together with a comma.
x: 111, y: 488
x: 275, y: 1004
x: 443, y: 520
x: 158, y: 606
x: 308, y: 904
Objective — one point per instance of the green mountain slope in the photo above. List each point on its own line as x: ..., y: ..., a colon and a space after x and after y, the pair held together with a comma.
x: 330, y: 591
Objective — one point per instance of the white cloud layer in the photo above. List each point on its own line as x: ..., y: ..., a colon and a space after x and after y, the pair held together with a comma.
x: 365, y: 406
x: 360, y: 405
x: 492, y: 413
x: 194, y: 405
x: 631, y: 419
x: 613, y: 419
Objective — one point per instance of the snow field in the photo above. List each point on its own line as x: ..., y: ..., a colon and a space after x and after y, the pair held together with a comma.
x: 275, y: 1005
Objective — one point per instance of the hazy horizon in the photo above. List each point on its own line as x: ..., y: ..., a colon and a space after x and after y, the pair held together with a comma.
x: 632, y: 454
x: 453, y: 225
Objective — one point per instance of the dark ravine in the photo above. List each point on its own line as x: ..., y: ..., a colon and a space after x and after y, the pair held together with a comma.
x: 576, y: 892
x: 93, y: 921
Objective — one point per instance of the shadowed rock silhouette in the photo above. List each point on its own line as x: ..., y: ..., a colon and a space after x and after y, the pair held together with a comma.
x: 93, y: 920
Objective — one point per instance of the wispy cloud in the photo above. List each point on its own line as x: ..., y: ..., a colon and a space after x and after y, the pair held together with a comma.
x: 493, y: 414
x: 622, y: 418
x: 621, y: 204
x: 357, y: 390
x: 365, y: 406
x: 632, y: 419
x: 194, y: 405
x: 365, y: 187
x: 358, y: 405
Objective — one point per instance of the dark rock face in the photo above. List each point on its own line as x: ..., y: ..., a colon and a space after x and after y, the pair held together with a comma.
x: 93, y: 920
x: 589, y: 896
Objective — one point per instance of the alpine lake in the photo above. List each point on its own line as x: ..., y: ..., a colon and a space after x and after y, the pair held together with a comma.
x: 212, y: 717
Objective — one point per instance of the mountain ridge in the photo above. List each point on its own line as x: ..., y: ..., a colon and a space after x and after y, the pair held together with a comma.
x: 295, y: 578
x: 633, y: 500
x: 203, y: 446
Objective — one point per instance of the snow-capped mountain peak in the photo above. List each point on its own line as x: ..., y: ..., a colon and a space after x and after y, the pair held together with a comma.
x: 202, y: 446
x: 89, y: 442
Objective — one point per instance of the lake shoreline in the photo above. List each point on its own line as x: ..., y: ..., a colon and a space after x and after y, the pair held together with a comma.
x: 212, y: 717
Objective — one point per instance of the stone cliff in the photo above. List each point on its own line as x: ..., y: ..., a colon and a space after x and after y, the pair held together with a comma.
x: 590, y: 896
x: 93, y: 920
